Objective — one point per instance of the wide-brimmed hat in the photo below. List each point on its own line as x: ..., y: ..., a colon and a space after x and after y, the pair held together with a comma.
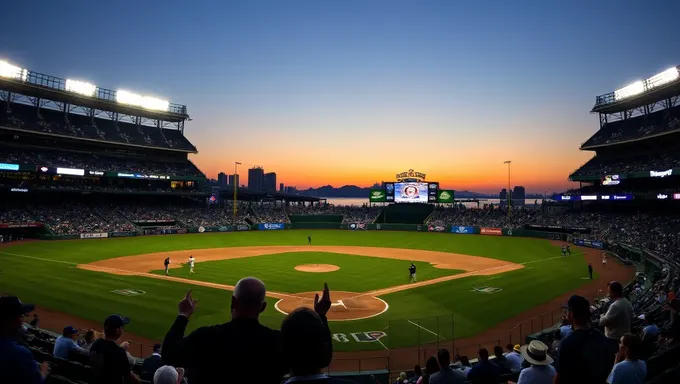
x: 536, y: 353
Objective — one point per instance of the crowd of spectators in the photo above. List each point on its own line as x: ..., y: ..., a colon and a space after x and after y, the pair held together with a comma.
x: 615, y: 164
x: 27, y: 117
x: 72, y: 219
x: 490, y: 216
x: 647, y: 125
x: 211, y: 215
x: 351, y: 214
x: 125, y: 163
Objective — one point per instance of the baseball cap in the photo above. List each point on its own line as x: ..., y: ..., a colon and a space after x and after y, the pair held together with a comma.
x: 70, y: 330
x: 115, y: 322
x: 579, y: 305
x: 11, y: 306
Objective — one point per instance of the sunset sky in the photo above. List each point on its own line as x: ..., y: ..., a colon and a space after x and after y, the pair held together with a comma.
x: 352, y: 92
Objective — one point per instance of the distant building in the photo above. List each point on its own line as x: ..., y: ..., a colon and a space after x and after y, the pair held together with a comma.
x: 503, y: 196
x: 269, y: 182
x: 255, y: 179
x: 281, y: 187
x: 234, y: 180
x: 518, y: 195
x: 222, y: 179
x: 291, y: 190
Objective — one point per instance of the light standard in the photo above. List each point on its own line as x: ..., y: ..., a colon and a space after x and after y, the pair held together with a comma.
x: 508, y: 162
x: 236, y: 179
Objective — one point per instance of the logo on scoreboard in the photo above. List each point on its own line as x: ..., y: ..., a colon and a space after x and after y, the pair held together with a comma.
x: 410, y: 175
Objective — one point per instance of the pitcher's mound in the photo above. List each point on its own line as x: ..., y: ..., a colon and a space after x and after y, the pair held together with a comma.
x: 345, y: 305
x: 317, y: 268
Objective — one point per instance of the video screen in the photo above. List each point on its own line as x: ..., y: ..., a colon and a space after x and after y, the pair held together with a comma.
x: 410, y: 193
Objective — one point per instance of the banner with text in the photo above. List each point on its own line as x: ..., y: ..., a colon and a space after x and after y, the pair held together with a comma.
x: 94, y: 235
x: 242, y: 227
x: 21, y: 225
x: 436, y: 228
x: 122, y: 234
x: 377, y: 196
x: 491, y: 231
x: 357, y: 226
x: 589, y: 243
x: 445, y: 196
x: 463, y: 230
x: 271, y: 226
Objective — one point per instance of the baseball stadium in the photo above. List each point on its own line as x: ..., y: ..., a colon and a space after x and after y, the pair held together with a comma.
x: 102, y: 209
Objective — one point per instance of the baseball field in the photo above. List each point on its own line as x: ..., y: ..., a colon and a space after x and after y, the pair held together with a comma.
x: 465, y: 285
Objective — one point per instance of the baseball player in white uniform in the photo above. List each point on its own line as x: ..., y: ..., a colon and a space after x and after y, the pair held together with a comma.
x: 191, y: 264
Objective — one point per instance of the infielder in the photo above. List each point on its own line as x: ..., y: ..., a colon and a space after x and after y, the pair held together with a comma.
x: 604, y: 261
x: 191, y: 264
x: 166, y: 263
x: 412, y: 273
x: 569, y: 249
x: 564, y: 251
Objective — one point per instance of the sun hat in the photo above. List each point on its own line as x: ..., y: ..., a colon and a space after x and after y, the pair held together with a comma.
x: 536, y: 353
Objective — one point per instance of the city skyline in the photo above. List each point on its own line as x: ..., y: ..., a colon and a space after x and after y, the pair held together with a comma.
x: 350, y: 93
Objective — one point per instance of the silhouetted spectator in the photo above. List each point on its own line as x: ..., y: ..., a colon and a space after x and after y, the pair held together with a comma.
x: 446, y: 373
x: 236, y: 346
x: 500, y: 361
x: 17, y: 365
x: 88, y: 340
x: 583, y: 354
x: 153, y: 362
x: 35, y: 321
x: 307, y: 345
x: 168, y: 375
x: 431, y: 367
x: 109, y: 361
x: 417, y: 373
x: 484, y: 372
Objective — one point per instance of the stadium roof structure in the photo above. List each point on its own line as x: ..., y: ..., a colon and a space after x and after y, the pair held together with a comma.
x: 38, y: 85
x: 662, y: 86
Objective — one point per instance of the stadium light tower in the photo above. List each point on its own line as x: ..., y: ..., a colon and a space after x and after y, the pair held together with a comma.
x: 236, y: 164
x: 508, y: 162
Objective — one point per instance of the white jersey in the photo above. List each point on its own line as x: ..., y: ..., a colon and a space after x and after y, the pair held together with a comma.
x: 191, y: 262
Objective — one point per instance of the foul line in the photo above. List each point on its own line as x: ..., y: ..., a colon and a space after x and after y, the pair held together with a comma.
x: 426, y: 330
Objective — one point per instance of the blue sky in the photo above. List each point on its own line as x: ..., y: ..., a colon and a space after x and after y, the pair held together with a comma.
x: 351, y: 92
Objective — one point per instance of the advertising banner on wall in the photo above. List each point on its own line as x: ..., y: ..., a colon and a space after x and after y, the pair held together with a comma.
x: 589, y: 243
x: 359, y: 226
x: 122, y: 234
x: 377, y: 196
x: 556, y: 228
x: 491, y: 231
x: 271, y: 226
x: 445, y: 196
x: 463, y: 230
x: 436, y: 228
x: 94, y: 235
x: 242, y: 227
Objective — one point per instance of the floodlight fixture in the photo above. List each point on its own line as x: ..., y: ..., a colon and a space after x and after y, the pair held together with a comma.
x: 10, y: 71
x: 665, y: 77
x: 629, y: 90
x: 80, y: 87
x: 146, y: 102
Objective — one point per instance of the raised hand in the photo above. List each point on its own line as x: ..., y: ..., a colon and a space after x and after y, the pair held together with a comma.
x: 322, y: 306
x: 187, y: 305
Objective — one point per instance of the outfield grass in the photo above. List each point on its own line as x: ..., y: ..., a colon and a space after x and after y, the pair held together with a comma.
x: 356, y: 273
x: 44, y: 273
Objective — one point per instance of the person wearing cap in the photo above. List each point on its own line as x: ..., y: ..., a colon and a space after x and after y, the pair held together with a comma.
x: 17, y: 365
x: 66, y: 343
x: 650, y: 331
x: 307, y: 347
x: 540, y: 371
x: 514, y: 358
x: 153, y: 362
x: 628, y: 367
x: 583, y: 356
x: 239, y: 346
x: 108, y: 360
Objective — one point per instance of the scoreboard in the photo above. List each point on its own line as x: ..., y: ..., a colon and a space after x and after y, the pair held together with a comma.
x: 419, y: 192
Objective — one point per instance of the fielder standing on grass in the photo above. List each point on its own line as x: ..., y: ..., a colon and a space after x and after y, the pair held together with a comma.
x: 412, y: 273
x: 309, y: 240
x: 191, y: 264
x: 166, y: 263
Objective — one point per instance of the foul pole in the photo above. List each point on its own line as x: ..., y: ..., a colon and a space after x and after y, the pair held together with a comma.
x: 508, y: 162
x: 236, y: 164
